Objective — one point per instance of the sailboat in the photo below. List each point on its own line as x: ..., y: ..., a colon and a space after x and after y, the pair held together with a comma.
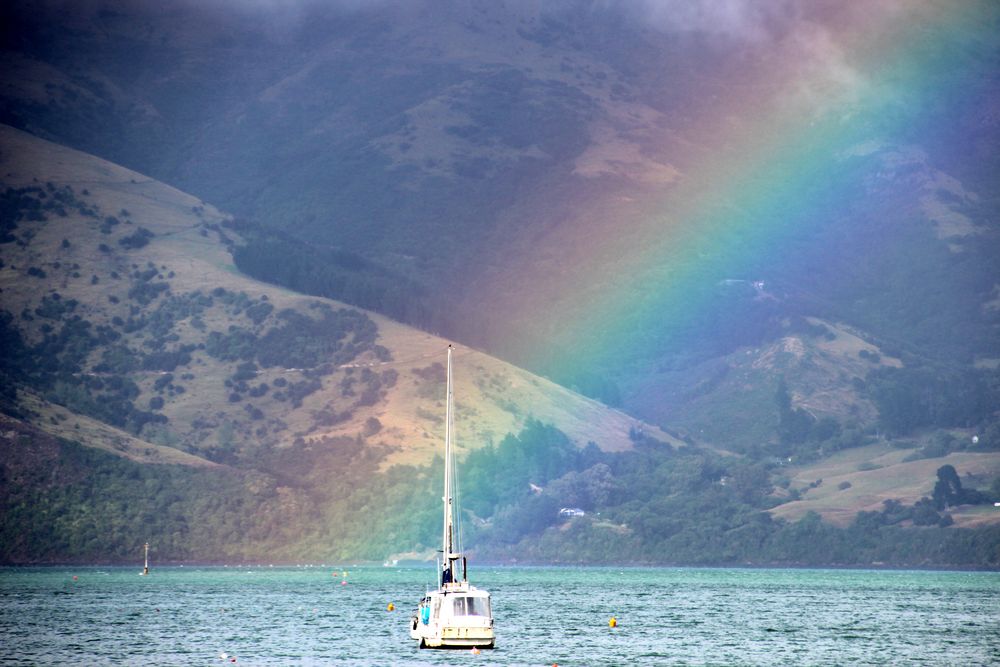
x: 456, y: 614
x: 145, y: 566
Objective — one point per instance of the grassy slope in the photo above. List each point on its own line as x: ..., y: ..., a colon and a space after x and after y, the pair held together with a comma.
x: 57, y: 421
x: 877, y: 473
x: 493, y: 398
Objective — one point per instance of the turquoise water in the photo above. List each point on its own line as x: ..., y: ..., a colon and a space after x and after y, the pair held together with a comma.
x: 666, y: 616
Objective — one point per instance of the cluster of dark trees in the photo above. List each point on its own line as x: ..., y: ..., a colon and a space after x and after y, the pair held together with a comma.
x: 35, y: 204
x: 54, y: 366
x: 948, y: 491
x: 651, y: 505
x: 91, y: 506
x: 657, y: 505
x: 910, y: 402
x: 688, y: 505
x: 329, y: 272
x: 925, y: 396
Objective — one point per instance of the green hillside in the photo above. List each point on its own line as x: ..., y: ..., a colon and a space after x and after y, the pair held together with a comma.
x: 728, y: 282
x: 127, y: 329
x: 152, y: 390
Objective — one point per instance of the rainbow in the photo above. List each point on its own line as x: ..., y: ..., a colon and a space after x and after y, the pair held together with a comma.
x: 767, y: 176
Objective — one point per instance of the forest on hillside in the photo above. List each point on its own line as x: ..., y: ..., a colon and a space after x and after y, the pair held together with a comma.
x: 653, y: 505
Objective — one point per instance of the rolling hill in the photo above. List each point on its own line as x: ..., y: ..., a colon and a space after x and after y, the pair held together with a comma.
x: 762, y: 242
x: 129, y: 330
x: 560, y: 161
x: 184, y: 264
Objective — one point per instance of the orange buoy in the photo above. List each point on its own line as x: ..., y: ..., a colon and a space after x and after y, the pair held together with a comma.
x: 475, y: 650
x: 390, y: 607
x: 613, y: 622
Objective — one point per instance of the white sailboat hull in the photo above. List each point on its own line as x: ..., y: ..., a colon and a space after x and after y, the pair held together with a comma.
x: 452, y: 636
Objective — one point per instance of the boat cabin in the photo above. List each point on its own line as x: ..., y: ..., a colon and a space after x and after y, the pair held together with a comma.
x: 457, y: 616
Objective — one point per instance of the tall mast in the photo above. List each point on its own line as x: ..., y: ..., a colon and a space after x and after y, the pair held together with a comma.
x: 448, y: 525
x: 145, y: 565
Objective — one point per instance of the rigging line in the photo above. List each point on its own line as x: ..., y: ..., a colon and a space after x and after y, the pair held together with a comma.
x: 457, y: 490
x: 457, y: 506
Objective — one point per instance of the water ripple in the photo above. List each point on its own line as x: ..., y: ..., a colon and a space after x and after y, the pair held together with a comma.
x: 670, y: 616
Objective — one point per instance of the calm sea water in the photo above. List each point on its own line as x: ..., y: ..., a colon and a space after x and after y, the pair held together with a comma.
x: 666, y: 616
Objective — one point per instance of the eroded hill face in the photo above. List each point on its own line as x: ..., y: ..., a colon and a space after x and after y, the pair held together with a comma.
x: 731, y: 398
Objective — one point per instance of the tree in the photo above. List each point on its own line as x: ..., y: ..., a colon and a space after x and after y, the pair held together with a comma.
x: 948, y: 491
x: 925, y: 513
x: 794, y: 424
x: 947, y: 488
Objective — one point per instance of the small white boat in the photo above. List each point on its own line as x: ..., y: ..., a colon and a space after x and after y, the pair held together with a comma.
x: 457, y: 614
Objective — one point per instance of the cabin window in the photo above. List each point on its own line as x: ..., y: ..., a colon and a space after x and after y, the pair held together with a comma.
x: 479, y: 607
x: 459, y: 606
x: 471, y: 606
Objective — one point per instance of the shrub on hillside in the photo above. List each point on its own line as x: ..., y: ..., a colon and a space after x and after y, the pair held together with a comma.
x: 137, y: 239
